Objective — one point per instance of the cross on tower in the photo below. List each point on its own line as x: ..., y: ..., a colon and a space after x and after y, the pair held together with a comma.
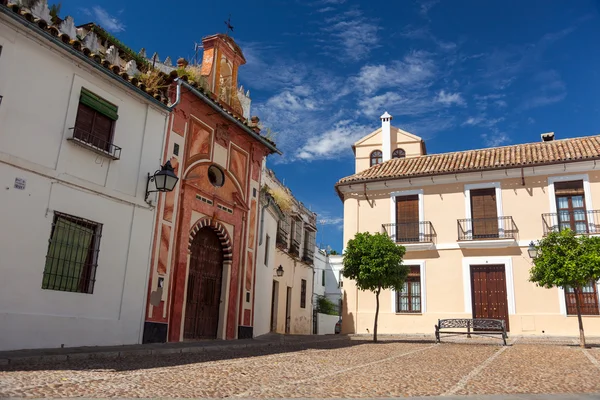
x: 228, y: 23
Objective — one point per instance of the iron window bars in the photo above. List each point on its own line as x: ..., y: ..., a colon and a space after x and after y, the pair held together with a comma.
x: 72, y: 257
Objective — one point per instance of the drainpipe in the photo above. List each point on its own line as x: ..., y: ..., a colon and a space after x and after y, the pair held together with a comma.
x: 177, y: 95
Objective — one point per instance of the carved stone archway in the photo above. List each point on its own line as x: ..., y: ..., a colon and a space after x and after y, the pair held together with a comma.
x: 221, y: 232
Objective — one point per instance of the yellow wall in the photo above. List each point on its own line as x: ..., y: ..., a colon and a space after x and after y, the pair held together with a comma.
x: 537, y: 310
x: 409, y: 143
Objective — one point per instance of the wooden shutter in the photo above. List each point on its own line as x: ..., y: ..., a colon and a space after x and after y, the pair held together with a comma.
x: 484, y: 213
x: 93, y: 127
x: 407, y: 218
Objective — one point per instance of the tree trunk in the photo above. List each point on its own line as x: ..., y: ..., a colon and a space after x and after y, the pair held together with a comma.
x: 376, y: 314
x: 579, y: 319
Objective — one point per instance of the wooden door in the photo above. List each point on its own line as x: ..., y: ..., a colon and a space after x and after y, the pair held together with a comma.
x: 488, y: 292
x: 484, y: 213
x: 407, y: 219
x: 204, y: 286
x: 274, y: 307
x: 288, y: 310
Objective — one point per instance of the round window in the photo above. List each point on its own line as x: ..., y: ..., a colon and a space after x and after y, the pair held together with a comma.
x: 216, y: 176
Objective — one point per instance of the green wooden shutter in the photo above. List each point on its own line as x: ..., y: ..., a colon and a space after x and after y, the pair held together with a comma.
x: 99, y: 104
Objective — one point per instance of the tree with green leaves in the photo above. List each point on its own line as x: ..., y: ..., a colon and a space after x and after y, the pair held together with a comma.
x: 374, y: 262
x: 565, y: 259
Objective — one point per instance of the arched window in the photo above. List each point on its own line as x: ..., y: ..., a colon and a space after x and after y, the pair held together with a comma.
x: 398, y: 153
x: 376, y: 157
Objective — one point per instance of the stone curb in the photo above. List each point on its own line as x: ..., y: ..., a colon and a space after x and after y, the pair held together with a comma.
x: 50, y: 358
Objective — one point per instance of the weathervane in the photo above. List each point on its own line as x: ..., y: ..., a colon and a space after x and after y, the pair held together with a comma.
x: 228, y: 23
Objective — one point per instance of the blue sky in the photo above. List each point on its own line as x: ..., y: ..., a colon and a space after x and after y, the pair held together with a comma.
x: 460, y: 74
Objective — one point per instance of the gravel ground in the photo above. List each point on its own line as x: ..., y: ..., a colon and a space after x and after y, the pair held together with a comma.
x: 353, y: 368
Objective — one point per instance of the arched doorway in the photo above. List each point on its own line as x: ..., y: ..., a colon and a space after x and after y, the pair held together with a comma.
x: 204, y: 285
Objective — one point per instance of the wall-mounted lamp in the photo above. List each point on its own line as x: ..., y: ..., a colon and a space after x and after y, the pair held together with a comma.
x: 532, y: 250
x: 279, y: 271
x: 164, y: 180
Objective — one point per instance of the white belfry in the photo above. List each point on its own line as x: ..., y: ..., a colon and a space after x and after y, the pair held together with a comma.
x: 386, y: 136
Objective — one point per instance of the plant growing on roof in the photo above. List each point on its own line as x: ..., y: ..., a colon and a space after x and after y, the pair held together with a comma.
x: 152, y: 80
x: 55, y: 12
x: 374, y: 262
x: 282, y: 198
x: 193, y: 73
x: 141, y: 62
x: 567, y: 260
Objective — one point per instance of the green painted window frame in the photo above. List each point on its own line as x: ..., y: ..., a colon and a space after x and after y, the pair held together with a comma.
x: 99, y: 104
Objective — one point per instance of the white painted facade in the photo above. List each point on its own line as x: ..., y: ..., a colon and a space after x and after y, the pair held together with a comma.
x: 321, y: 272
x: 265, y: 268
x: 334, y: 279
x: 40, y: 85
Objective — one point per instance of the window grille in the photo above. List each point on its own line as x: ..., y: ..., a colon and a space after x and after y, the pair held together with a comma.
x: 408, y: 300
x: 72, y: 256
x: 303, y: 293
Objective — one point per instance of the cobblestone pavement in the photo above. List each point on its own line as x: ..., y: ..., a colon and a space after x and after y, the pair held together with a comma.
x: 343, y: 368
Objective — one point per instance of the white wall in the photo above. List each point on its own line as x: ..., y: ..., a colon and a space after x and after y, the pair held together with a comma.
x: 264, y: 274
x: 320, y: 263
x: 333, y: 289
x: 40, y: 86
x: 326, y: 324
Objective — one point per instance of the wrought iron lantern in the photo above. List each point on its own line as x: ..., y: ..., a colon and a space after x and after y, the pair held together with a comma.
x: 279, y: 271
x: 164, y: 180
x: 532, y: 250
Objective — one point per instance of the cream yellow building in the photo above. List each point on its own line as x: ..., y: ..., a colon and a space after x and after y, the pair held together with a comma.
x: 466, y: 220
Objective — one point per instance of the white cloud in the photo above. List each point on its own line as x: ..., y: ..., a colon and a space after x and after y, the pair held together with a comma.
x: 353, y: 34
x: 416, y: 68
x: 333, y: 142
x: 482, y: 120
x: 289, y: 101
x: 325, y: 9
x: 450, y: 98
x: 426, y: 6
x: 105, y: 20
x: 495, y: 139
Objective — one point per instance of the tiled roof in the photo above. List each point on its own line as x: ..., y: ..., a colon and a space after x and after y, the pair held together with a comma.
x: 520, y: 155
x: 83, y: 41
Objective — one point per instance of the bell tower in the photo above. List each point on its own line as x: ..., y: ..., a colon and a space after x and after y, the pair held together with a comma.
x: 221, y: 60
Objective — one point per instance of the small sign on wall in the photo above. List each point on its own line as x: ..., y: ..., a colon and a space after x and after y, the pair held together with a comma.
x: 20, y: 183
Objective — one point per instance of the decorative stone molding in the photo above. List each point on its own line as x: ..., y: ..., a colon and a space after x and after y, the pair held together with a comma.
x: 91, y: 42
x: 155, y: 57
x: 222, y: 134
x: 131, y: 68
x: 168, y: 62
x: 142, y: 52
x: 221, y: 232
x: 40, y: 10
x: 112, y: 55
x: 245, y: 101
x: 68, y: 28
x: 25, y: 3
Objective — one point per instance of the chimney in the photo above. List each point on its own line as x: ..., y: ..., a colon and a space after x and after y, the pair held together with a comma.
x: 547, y: 137
x: 386, y: 136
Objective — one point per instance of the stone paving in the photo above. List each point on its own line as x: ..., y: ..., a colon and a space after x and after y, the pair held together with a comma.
x: 351, y: 367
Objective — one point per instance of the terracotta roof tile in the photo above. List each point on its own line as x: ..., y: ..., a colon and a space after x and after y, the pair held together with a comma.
x: 528, y: 154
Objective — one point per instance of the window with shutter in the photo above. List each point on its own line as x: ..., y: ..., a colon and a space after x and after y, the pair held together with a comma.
x: 407, y: 219
x: 94, y: 123
x: 484, y: 213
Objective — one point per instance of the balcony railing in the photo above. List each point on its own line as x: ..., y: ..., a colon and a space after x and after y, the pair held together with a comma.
x: 94, y: 143
x: 410, y: 232
x: 583, y: 222
x: 487, y: 228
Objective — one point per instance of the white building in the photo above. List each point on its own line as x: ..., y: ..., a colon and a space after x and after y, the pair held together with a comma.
x: 75, y: 248
x: 334, y: 279
x: 287, y: 231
